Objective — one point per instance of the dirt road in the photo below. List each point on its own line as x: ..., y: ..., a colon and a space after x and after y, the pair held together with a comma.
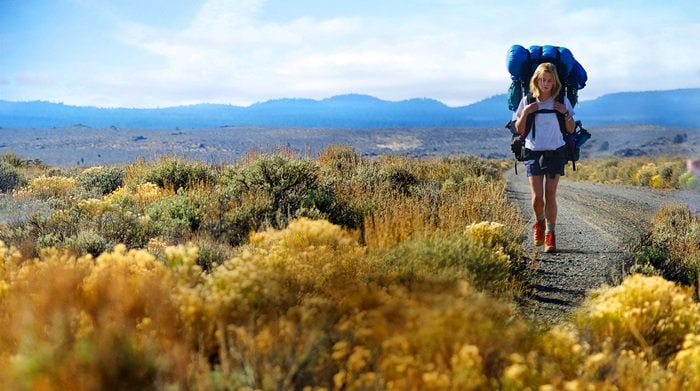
x: 597, y: 224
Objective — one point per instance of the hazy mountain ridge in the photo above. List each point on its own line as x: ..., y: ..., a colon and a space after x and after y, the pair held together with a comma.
x: 667, y: 108
x: 663, y: 108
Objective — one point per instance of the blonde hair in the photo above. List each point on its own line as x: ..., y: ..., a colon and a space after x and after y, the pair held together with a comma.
x: 537, y: 75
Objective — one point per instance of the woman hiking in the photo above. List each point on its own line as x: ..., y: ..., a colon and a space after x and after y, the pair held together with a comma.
x: 545, y: 148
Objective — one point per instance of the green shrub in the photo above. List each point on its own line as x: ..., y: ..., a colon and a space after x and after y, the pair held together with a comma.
x: 649, y: 259
x: 675, y: 240
x: 10, y: 178
x: 239, y: 221
x: 398, y: 178
x: 48, y: 240
x: 101, y: 181
x: 365, y: 180
x: 87, y: 242
x: 688, y: 180
x: 288, y: 185
x: 441, y: 261
x: 13, y: 160
x: 123, y: 224
x: 211, y: 253
x: 178, y: 173
x: 666, y: 172
x: 175, y: 216
x: 62, y: 222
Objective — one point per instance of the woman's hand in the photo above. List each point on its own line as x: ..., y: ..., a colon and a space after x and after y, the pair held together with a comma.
x: 560, y: 107
x: 531, y: 108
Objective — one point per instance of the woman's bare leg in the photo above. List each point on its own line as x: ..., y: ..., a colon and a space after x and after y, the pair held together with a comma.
x: 550, y: 199
x: 538, y: 196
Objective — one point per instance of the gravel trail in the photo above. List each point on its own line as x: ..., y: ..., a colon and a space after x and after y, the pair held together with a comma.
x: 596, y: 226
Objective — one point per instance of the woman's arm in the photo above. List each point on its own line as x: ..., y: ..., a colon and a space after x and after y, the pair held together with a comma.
x: 568, y: 118
x: 569, y: 121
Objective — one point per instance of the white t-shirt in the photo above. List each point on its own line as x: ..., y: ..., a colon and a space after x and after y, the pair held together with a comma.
x: 547, y: 134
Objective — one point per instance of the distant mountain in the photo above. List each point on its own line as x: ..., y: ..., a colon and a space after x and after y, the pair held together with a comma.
x: 665, y: 108
x: 668, y: 108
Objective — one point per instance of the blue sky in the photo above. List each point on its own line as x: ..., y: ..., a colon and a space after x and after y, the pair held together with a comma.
x: 159, y: 53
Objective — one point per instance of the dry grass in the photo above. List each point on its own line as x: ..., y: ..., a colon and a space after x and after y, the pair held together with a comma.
x: 663, y: 172
x: 286, y: 272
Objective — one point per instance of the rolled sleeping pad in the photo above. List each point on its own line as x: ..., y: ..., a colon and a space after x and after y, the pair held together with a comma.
x: 515, y: 59
x: 578, y: 76
x: 559, y: 56
x: 522, y: 62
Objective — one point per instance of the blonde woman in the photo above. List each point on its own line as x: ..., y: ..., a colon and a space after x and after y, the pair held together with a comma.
x: 544, y: 119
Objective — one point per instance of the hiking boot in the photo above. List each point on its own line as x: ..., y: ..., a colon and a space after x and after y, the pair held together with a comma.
x: 549, y: 243
x: 538, y: 232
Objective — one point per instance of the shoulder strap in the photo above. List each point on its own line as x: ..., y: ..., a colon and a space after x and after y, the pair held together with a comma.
x: 560, y: 116
x: 530, y: 120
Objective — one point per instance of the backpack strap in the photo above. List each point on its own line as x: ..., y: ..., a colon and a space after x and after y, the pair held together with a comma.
x: 530, y: 120
x: 562, y: 128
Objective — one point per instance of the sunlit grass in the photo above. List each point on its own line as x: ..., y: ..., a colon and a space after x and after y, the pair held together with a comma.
x: 663, y: 172
x: 284, y: 271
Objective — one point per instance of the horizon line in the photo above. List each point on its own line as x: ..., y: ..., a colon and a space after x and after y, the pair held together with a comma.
x: 319, y: 100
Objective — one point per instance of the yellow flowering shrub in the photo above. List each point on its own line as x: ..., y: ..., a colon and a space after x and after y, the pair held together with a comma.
x: 281, y: 267
x: 93, y: 207
x: 416, y: 341
x: 45, y: 187
x: 686, y: 363
x: 82, y: 323
x: 657, y: 182
x: 284, y: 283
x: 264, y: 319
x: 147, y: 193
x: 556, y: 360
x: 311, y: 254
x: 661, y: 172
x: 645, y: 174
x: 302, y: 299
x: 625, y: 369
x: 487, y: 233
x: 120, y: 279
x: 143, y: 195
x: 92, y: 170
x: 492, y: 235
x: 8, y: 255
x: 645, y: 314
x: 413, y: 294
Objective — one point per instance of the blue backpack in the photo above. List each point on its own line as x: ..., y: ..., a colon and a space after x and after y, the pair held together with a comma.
x: 521, y: 64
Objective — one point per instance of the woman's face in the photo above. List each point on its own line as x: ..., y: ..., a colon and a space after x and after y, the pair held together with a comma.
x: 546, y: 82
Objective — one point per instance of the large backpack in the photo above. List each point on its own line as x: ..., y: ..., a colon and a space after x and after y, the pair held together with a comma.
x: 521, y: 65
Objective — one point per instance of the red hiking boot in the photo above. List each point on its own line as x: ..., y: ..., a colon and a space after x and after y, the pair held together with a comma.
x: 550, y: 243
x: 538, y: 232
